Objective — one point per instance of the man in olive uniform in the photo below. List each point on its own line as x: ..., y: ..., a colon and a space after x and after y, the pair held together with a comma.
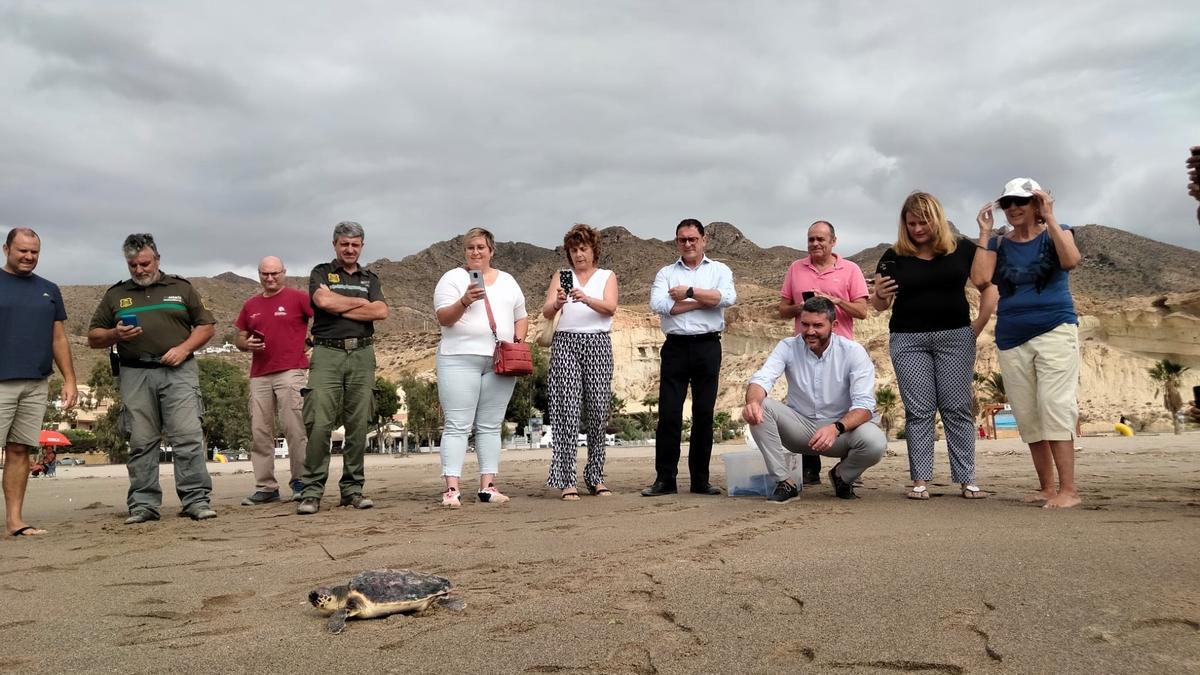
x: 346, y: 300
x: 157, y: 321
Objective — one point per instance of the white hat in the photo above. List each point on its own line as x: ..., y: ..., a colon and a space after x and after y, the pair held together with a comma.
x: 1020, y: 187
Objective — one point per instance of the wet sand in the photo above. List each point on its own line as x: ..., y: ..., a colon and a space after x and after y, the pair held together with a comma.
x: 628, y: 584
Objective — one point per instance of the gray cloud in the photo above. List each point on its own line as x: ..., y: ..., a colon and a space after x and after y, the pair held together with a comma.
x: 233, y: 131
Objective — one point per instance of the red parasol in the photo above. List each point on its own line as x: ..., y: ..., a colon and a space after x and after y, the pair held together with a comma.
x: 52, y: 438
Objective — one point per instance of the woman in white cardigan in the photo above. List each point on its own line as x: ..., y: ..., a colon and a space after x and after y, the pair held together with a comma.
x: 472, y: 395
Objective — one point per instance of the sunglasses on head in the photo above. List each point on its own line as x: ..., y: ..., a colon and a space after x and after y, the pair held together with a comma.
x: 1006, y: 202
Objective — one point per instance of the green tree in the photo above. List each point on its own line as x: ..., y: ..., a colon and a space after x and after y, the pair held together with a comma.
x: 723, y: 426
x: 886, y: 404
x: 225, y: 391
x: 531, y: 392
x: 650, y: 400
x: 107, y: 428
x: 424, y: 408
x: 1169, y: 375
x: 993, y: 388
x: 616, y: 404
x: 386, y: 405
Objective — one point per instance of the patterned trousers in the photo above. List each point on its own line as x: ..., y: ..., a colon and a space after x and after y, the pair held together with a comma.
x: 934, y: 371
x: 580, y: 383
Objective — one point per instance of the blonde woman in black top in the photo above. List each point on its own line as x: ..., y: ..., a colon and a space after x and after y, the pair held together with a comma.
x: 922, y: 278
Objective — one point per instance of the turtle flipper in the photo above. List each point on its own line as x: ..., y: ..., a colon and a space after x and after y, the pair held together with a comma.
x: 337, y: 621
x: 452, y: 602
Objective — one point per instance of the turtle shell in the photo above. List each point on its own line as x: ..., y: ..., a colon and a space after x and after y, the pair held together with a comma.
x: 388, y: 586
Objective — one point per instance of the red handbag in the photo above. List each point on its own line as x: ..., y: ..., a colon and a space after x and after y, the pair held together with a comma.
x: 509, y: 358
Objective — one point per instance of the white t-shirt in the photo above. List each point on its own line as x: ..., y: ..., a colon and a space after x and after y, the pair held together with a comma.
x: 471, y: 334
x: 578, y: 317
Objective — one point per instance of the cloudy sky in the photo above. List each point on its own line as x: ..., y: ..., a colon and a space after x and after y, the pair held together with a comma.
x: 233, y: 130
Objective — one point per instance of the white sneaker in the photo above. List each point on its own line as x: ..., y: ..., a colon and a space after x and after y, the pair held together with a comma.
x: 491, y: 495
x: 450, y: 499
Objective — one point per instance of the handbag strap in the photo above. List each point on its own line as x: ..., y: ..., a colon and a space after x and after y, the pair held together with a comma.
x: 491, y: 319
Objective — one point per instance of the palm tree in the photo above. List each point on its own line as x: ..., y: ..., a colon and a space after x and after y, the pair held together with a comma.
x: 993, y: 387
x: 650, y: 400
x: 1168, y: 375
x: 886, y: 403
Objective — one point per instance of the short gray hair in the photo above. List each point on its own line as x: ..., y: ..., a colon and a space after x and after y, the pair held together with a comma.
x: 134, y: 244
x: 818, y: 305
x: 347, y: 228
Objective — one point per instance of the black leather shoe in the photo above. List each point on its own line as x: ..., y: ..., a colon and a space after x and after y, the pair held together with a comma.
x: 705, y: 489
x: 658, y: 489
x: 841, y: 488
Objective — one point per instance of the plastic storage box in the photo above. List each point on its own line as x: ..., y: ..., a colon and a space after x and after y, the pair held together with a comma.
x: 746, y: 474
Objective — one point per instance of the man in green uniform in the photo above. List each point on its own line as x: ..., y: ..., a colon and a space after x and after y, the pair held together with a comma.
x: 157, y: 321
x: 346, y: 300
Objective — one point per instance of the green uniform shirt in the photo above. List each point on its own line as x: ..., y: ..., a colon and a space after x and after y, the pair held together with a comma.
x: 361, y: 284
x: 166, y: 310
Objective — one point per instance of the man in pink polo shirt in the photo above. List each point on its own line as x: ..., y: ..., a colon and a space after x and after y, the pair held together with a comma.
x: 824, y: 274
x: 272, y: 326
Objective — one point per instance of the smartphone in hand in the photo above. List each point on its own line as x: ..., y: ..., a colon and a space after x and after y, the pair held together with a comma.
x: 259, y: 336
x: 885, y: 268
x: 807, y: 295
x: 476, y: 277
x: 566, y: 280
x: 129, y: 320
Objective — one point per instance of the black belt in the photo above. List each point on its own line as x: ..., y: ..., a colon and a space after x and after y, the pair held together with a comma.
x: 150, y: 362
x: 703, y: 337
x: 346, y: 344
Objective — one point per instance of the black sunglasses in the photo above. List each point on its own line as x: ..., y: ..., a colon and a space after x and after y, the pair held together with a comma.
x: 1006, y: 202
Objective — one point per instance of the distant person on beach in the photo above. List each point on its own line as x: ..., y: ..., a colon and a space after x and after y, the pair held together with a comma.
x: 829, y: 409
x: 827, y: 275
x: 33, y: 336
x: 272, y: 326
x: 932, y: 336
x: 690, y: 296
x: 347, y: 300
x: 1037, y: 331
x: 1193, y: 164
x: 157, y: 322
x: 581, y: 361
x: 476, y: 305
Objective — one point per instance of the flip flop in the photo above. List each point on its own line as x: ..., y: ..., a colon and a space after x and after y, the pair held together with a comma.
x: 598, y: 491
x: 28, y: 531
x: 973, y: 492
x: 918, y: 492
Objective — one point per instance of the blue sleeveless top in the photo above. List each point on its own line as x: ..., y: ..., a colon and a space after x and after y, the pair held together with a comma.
x: 1035, y: 297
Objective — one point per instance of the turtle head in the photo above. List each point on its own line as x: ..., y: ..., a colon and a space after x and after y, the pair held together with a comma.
x: 328, y: 600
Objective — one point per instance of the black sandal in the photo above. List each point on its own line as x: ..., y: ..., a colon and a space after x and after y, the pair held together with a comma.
x: 599, y: 491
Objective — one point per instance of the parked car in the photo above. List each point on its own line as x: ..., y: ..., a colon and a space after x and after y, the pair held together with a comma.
x: 71, y: 461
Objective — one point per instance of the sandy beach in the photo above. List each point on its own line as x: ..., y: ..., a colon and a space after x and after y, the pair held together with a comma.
x: 627, y: 584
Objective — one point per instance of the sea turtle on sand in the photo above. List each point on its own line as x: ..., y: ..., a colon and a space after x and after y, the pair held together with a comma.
x: 377, y: 593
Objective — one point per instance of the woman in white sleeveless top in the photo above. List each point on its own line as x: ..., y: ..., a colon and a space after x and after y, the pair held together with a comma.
x: 581, y: 362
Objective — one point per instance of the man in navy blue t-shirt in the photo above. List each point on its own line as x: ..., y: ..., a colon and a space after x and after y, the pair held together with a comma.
x: 32, y: 334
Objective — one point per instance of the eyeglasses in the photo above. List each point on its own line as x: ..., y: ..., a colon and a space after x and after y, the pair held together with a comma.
x: 269, y: 274
x: 1010, y: 201
x: 687, y: 240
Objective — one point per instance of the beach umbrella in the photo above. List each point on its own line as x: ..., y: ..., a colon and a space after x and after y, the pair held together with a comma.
x: 52, y: 438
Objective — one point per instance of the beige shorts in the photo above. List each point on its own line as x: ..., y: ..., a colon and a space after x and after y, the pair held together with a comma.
x: 22, y: 408
x: 1041, y: 380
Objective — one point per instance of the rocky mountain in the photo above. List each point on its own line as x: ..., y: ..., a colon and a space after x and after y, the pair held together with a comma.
x: 1140, y: 301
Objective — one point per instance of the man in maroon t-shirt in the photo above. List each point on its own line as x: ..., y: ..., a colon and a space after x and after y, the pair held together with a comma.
x: 272, y: 326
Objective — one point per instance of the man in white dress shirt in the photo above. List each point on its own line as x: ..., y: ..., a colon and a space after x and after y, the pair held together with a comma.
x: 690, y: 295
x: 829, y: 408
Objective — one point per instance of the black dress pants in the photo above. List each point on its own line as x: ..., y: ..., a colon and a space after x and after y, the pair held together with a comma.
x: 687, y: 360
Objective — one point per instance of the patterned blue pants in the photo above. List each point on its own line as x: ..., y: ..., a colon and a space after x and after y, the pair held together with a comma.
x: 934, y: 371
x: 580, y: 382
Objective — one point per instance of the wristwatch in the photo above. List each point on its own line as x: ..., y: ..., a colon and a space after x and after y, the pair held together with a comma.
x: 840, y: 427
x: 691, y: 292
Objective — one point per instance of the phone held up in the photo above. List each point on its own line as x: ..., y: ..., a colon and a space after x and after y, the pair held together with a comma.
x: 807, y: 295
x: 885, y: 268
x: 565, y: 280
x: 129, y: 320
x: 476, y: 277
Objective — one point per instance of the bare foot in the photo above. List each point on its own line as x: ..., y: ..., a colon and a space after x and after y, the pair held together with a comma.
x: 1039, y: 496
x: 1064, y: 500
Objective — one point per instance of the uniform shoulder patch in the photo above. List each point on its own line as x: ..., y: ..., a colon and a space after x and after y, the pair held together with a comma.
x: 334, y: 278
